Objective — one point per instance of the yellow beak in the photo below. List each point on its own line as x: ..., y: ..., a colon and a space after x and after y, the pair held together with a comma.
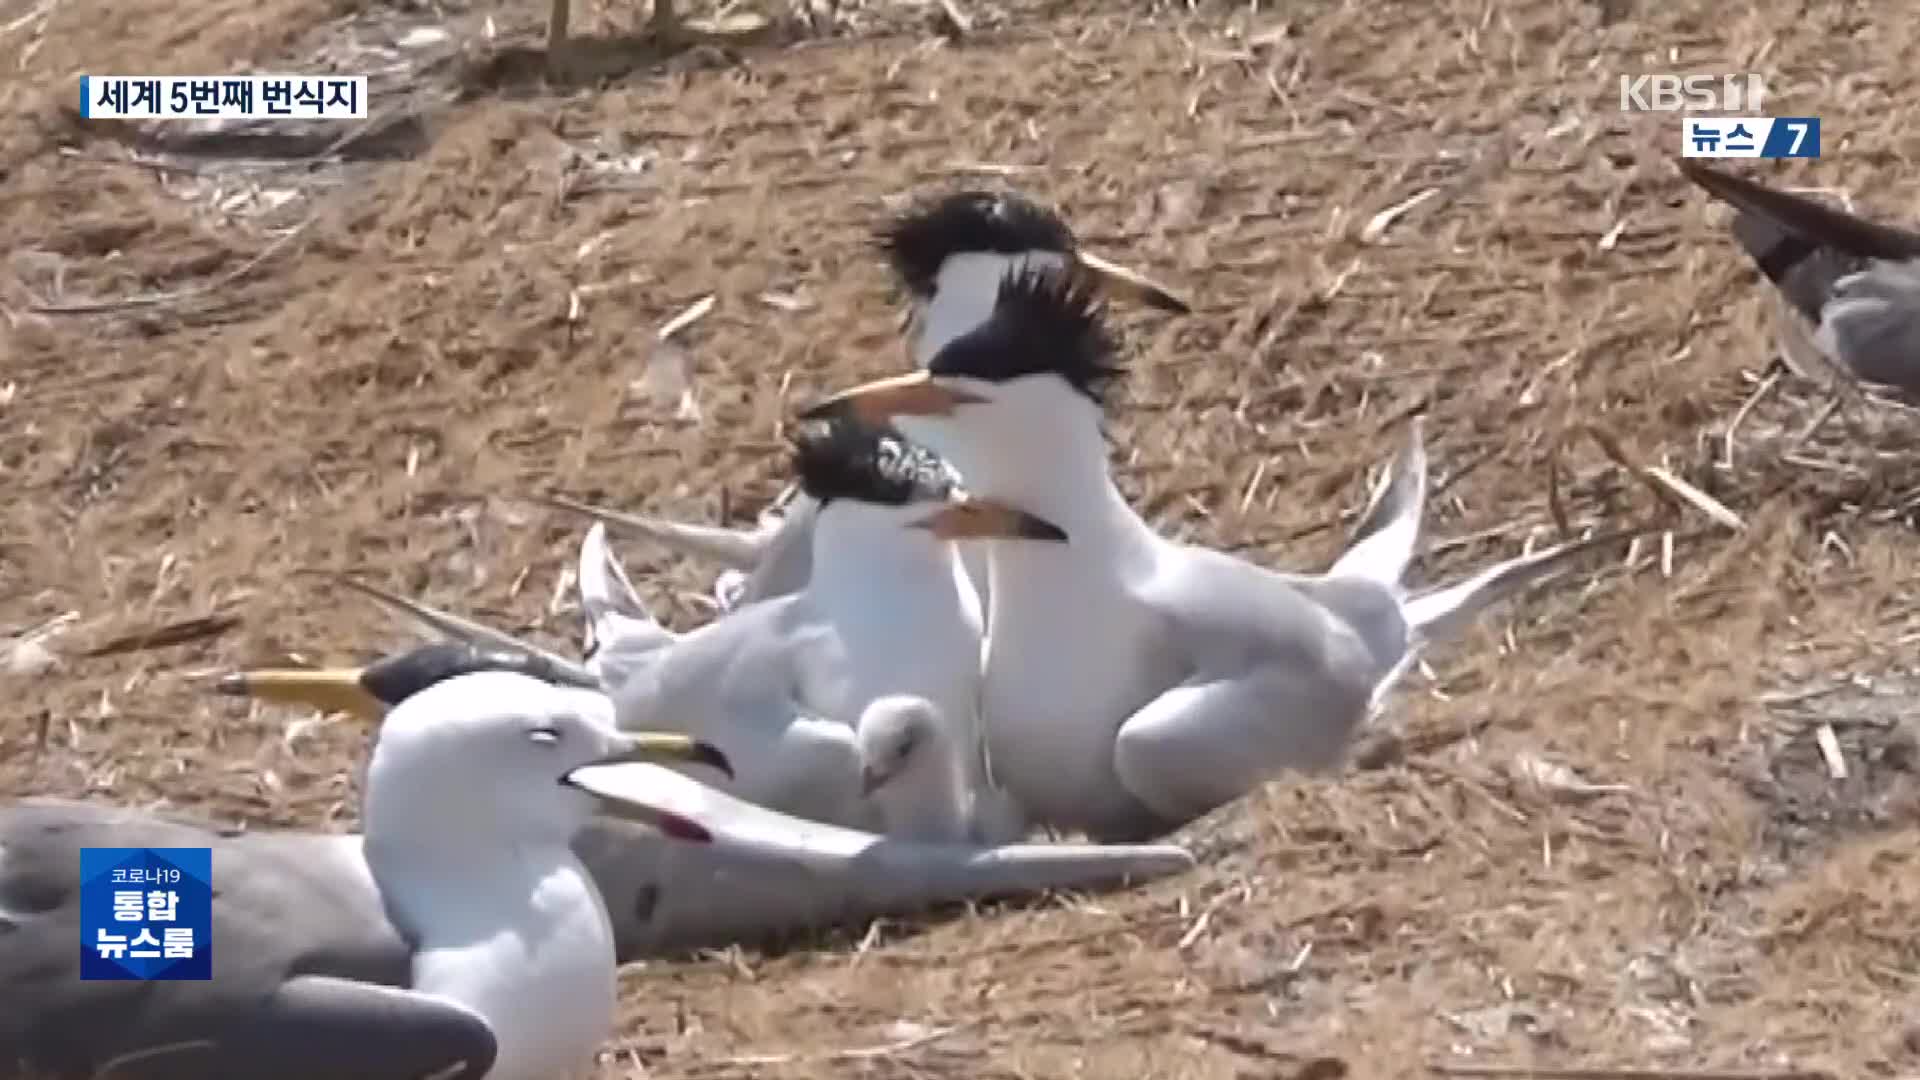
x: 326, y: 689
x: 972, y: 519
x: 876, y: 403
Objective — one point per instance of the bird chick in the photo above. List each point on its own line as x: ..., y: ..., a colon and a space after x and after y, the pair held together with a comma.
x: 911, y: 768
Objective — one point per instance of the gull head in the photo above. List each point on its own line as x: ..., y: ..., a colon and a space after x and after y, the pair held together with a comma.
x: 500, y: 757
x: 867, y: 480
x: 996, y: 398
x: 951, y: 253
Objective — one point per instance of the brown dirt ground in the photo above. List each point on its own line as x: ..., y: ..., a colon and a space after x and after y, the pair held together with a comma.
x: 371, y: 394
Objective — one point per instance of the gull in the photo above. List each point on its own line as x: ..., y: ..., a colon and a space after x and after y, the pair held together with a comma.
x: 760, y: 875
x: 1132, y: 683
x: 1857, y: 282
x: 886, y: 608
x: 948, y: 253
x: 411, y: 951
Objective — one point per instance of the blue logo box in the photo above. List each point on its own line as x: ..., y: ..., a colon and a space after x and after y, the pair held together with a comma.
x: 146, y: 913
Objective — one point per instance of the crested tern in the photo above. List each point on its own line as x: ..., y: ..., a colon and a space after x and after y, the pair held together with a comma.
x: 1855, y: 281
x: 408, y: 952
x: 948, y: 253
x: 760, y: 875
x: 1132, y: 683
x: 780, y: 685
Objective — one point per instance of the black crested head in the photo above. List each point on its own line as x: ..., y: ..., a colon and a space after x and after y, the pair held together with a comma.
x: 394, y: 679
x: 919, y: 242
x: 842, y: 459
x: 1043, y: 323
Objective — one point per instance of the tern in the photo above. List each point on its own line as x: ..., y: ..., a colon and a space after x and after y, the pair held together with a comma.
x: 760, y: 874
x: 949, y: 254
x: 780, y: 685
x: 412, y: 951
x: 1132, y: 683
x: 1857, y: 282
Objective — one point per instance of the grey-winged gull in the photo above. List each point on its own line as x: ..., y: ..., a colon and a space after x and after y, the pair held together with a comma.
x: 1856, y: 282
x: 458, y: 937
x: 764, y: 874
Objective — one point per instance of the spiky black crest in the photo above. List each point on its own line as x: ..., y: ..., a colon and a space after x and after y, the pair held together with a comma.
x: 1043, y: 323
x: 846, y: 460
x: 394, y: 679
x: 921, y: 240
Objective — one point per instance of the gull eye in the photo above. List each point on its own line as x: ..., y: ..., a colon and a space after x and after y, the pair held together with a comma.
x: 545, y: 736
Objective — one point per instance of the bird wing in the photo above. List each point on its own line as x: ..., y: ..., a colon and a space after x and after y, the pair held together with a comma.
x: 755, y: 683
x: 1857, y: 281
x: 785, y: 563
x: 768, y: 874
x: 741, y: 549
x: 1872, y: 323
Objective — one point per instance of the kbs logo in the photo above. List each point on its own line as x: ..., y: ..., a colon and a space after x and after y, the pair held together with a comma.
x: 1692, y: 93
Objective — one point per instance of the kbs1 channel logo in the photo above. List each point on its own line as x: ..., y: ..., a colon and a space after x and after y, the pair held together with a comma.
x: 1726, y: 134
x: 146, y: 913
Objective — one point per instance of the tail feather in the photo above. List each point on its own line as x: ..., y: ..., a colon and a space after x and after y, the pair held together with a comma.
x: 740, y: 549
x: 610, y: 604
x: 786, y: 561
x: 1389, y: 532
x: 460, y: 628
x: 1802, y: 245
x: 1440, y: 613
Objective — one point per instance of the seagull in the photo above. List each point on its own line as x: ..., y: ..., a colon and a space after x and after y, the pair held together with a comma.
x: 1857, y: 282
x: 760, y: 875
x: 780, y: 685
x: 949, y: 254
x: 409, y: 952
x: 1132, y: 683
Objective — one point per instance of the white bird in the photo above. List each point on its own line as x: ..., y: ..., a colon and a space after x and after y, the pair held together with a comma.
x: 1132, y: 683
x: 413, y: 951
x: 761, y: 875
x: 780, y: 685
x: 1857, y: 282
x: 908, y: 751
x: 949, y: 254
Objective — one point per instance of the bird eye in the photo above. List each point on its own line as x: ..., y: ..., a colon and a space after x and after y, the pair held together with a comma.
x: 545, y: 736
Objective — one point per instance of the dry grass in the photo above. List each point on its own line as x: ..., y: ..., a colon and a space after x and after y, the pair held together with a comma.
x: 1610, y: 835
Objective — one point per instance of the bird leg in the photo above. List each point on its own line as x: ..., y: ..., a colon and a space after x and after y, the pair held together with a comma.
x: 557, y: 18
x: 664, y: 26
